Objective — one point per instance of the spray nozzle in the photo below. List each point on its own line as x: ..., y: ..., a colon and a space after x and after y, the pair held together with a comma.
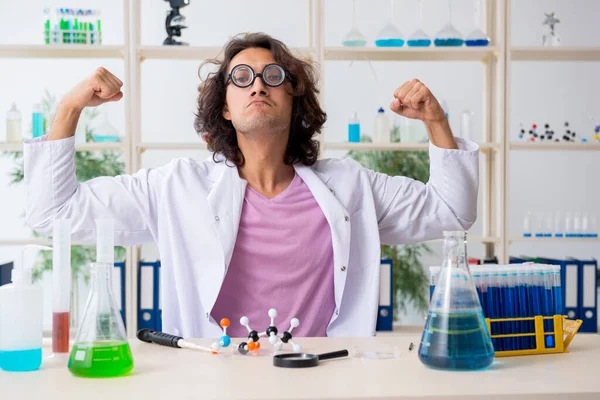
x: 20, y: 274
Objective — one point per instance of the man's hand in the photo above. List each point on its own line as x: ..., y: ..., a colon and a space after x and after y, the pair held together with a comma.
x: 414, y: 100
x: 98, y: 88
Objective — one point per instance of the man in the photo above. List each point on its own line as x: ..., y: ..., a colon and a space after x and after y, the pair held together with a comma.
x: 263, y: 223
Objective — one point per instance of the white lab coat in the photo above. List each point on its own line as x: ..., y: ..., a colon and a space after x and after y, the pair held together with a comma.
x: 191, y: 209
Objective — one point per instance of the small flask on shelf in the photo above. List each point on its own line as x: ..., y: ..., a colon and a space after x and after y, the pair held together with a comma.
x: 558, y: 229
x: 527, y: 224
x: 381, y: 127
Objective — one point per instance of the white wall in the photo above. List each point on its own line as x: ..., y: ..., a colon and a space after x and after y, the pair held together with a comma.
x: 540, y: 92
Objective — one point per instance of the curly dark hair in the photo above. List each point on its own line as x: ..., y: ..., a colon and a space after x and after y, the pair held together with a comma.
x: 307, y: 116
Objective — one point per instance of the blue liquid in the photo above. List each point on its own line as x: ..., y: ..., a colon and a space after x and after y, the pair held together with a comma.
x: 389, y: 43
x: 21, y: 360
x: 548, y: 306
x: 37, y: 127
x: 524, y: 312
x: 354, y: 133
x: 448, y: 42
x: 457, y: 341
x: 419, y: 43
x: 477, y: 42
x: 558, y: 235
x: 527, y: 235
x: 354, y: 43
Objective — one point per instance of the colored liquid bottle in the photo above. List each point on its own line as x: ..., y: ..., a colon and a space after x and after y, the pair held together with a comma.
x: 455, y: 335
x: 37, y: 122
x: 21, y: 317
x: 101, y: 349
x: 354, y: 129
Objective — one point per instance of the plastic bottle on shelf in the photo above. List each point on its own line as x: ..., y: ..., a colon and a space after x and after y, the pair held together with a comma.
x: 354, y: 129
x: 381, y: 127
x: 13, y: 125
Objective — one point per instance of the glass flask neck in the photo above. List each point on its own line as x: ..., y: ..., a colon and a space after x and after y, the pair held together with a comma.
x: 101, y: 277
x: 455, y: 249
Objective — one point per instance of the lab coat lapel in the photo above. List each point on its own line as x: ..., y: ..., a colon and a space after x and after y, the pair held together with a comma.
x: 339, y: 223
x: 225, y: 200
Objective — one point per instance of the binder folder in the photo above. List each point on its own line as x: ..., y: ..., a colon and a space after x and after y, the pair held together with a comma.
x: 5, y: 273
x: 588, y: 300
x: 385, y: 315
x: 149, y: 312
x: 118, y: 281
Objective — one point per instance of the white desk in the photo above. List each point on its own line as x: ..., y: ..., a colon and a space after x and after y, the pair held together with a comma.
x: 177, y: 374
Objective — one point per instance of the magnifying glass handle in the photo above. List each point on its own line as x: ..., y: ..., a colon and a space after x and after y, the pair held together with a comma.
x: 335, y: 354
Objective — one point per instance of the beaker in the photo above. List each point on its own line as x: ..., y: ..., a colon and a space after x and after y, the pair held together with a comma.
x: 101, y: 348
x: 449, y: 36
x: 477, y: 37
x: 419, y: 38
x: 354, y: 38
x: 455, y: 335
x: 390, y: 35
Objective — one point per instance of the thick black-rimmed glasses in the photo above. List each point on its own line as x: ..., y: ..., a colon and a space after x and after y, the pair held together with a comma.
x: 243, y: 75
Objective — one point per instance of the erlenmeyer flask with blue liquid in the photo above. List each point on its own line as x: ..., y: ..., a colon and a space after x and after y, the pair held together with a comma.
x: 455, y: 335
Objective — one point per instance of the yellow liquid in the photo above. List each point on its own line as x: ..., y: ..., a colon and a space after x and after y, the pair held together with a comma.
x: 102, y: 359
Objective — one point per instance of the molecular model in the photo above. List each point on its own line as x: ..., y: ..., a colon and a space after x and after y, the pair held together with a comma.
x: 254, y: 336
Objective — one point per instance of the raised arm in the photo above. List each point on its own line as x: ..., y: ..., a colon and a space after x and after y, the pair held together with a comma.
x: 410, y: 211
x: 52, y: 190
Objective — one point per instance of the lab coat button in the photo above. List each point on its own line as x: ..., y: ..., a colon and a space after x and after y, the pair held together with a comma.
x: 217, y: 218
x: 343, y: 267
x: 337, y: 311
x: 347, y: 218
x: 206, y: 315
x: 332, y: 191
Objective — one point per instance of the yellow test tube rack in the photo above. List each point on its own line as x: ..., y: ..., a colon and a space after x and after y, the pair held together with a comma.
x: 563, y: 331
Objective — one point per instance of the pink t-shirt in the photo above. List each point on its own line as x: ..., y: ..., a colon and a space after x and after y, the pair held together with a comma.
x: 283, y: 259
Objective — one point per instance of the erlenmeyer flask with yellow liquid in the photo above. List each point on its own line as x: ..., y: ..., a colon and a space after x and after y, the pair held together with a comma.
x: 101, y: 349
x: 455, y: 335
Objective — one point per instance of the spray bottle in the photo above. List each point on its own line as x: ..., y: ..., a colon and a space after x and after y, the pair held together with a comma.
x: 21, y: 318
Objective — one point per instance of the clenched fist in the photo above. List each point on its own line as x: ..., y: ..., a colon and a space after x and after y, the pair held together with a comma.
x: 414, y: 100
x: 98, y: 88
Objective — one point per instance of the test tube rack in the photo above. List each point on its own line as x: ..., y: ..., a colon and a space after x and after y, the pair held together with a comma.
x: 564, y: 331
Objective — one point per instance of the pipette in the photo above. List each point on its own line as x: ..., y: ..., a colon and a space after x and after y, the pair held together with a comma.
x: 165, y: 339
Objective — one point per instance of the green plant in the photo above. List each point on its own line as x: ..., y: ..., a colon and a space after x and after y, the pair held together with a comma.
x: 88, y: 165
x: 409, y: 278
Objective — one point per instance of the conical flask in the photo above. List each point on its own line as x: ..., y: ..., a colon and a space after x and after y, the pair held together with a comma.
x: 455, y: 335
x: 101, y: 348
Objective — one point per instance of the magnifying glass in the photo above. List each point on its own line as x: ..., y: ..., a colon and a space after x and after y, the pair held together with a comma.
x: 303, y: 360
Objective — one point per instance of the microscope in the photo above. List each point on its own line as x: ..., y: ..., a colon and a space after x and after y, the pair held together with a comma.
x: 175, y: 22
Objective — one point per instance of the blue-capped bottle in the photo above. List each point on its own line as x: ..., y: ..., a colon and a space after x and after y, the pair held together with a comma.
x: 455, y: 336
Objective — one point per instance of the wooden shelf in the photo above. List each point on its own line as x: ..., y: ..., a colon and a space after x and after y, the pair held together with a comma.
x: 24, y: 242
x: 16, y: 147
x: 514, y: 239
x: 173, y: 146
x: 590, y: 146
x: 194, y: 52
x: 61, y: 51
x: 561, y: 53
x: 409, y: 53
x: 394, y: 146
